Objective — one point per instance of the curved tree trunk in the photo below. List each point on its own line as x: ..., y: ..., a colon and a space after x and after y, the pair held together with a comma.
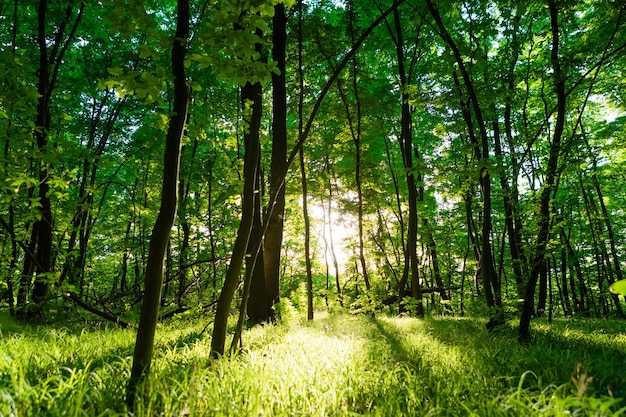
x: 406, y: 147
x: 548, y: 188
x: 490, y: 278
x: 251, y: 95
x: 159, y: 239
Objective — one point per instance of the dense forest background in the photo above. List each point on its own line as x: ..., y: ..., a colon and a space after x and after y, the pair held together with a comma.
x: 443, y: 157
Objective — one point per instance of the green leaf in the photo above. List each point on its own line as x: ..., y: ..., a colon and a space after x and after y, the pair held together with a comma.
x: 619, y: 287
x: 145, y: 51
x: 117, y: 72
x: 195, y: 86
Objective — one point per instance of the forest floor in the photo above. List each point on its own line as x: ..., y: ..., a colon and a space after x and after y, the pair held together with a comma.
x: 336, y: 365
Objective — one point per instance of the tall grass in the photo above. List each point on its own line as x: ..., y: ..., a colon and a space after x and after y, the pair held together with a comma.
x: 337, y: 365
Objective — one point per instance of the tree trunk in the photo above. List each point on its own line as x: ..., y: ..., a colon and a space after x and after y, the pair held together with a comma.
x: 210, y: 225
x: 511, y: 219
x: 184, y: 249
x: 256, y: 299
x: 159, y: 239
x: 274, y: 232
x: 511, y: 193
x: 331, y: 239
x: 616, y: 266
x: 49, y: 64
x: 548, y: 189
x: 406, y: 147
x: 490, y: 278
x: 259, y: 305
x: 251, y: 94
x: 356, y: 136
x: 543, y: 290
x: 581, y: 304
x: 307, y: 238
x: 564, y: 291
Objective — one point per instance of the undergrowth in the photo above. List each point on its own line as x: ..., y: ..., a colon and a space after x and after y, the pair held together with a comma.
x: 336, y: 365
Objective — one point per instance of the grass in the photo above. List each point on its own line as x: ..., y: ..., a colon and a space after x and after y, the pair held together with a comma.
x: 337, y: 365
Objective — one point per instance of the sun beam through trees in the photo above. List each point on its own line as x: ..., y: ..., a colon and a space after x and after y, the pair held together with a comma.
x: 229, y: 160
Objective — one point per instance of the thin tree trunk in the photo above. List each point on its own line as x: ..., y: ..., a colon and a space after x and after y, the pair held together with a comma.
x: 396, y: 187
x: 406, y: 148
x: 183, y: 257
x: 489, y: 276
x: 548, y: 188
x: 305, y: 207
x: 511, y: 193
x: 331, y: 239
x: 564, y: 292
x: 616, y: 266
x: 597, y: 242
x: 583, y: 304
x: 252, y: 96
x: 307, y: 238
x: 210, y: 225
x: 358, y: 153
x: 543, y: 290
x: 258, y: 305
x: 159, y: 239
x: 511, y: 217
x: 472, y: 238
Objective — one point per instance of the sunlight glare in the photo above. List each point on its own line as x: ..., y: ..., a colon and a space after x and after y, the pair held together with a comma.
x: 334, y: 234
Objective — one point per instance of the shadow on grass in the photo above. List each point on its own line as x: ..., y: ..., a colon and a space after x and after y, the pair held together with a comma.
x: 565, y: 352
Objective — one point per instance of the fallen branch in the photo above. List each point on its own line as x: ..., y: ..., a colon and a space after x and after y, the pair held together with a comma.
x: 394, y: 298
x: 106, y: 316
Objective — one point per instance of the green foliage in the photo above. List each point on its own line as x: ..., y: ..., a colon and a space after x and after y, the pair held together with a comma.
x: 229, y: 41
x: 111, y: 106
x: 618, y: 287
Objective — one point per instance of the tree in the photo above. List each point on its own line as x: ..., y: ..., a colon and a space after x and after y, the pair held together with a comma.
x: 41, y: 240
x: 251, y: 102
x: 490, y: 279
x: 232, y: 277
x: 406, y: 147
x: 454, y: 102
x: 274, y: 232
x: 159, y: 239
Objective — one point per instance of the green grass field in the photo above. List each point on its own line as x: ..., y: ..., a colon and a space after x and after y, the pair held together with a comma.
x: 337, y: 365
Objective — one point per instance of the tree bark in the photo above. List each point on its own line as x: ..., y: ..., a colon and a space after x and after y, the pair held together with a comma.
x: 307, y: 238
x: 159, y: 239
x: 49, y: 64
x: 548, y: 188
x: 490, y: 278
x: 274, y: 232
x: 406, y: 147
x: 251, y: 94
x: 259, y: 303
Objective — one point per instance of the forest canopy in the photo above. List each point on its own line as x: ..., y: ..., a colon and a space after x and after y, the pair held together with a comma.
x: 424, y: 157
